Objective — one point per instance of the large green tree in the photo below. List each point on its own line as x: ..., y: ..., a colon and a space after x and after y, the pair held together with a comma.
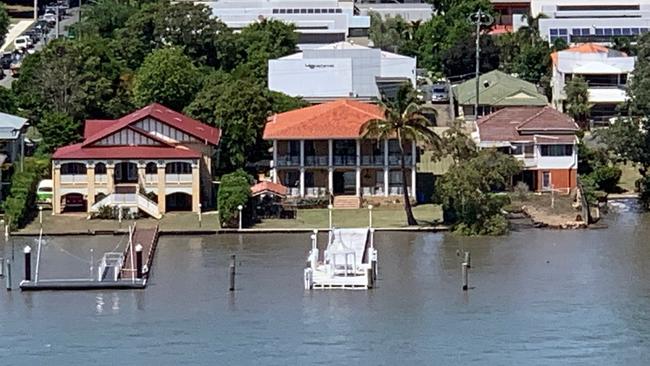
x: 167, y: 76
x: 57, y: 129
x: 404, y: 120
x: 264, y: 40
x: 466, y: 193
x: 104, y: 17
x: 460, y: 59
x: 525, y: 54
x: 80, y: 78
x: 4, y: 22
x: 577, y: 100
x: 8, y: 102
x: 392, y: 34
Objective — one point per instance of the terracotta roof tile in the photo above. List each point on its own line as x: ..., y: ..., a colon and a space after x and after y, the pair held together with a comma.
x: 338, y: 119
x: 266, y: 186
x: 525, y: 123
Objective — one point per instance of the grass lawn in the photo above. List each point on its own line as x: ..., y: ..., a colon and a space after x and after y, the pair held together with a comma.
x: 381, y: 217
x: 629, y: 176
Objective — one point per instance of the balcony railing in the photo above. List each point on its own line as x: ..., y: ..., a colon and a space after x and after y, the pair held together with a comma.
x: 318, y: 160
x: 151, y: 179
x: 345, y: 160
x: 287, y: 160
x: 74, y: 178
x: 367, y: 160
x: 178, y: 178
x: 101, y: 178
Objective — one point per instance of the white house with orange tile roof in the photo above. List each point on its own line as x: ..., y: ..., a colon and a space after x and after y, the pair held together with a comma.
x: 319, y: 150
x: 606, y: 71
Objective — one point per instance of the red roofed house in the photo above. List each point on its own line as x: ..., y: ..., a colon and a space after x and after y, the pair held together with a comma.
x: 153, y: 150
x: 543, y: 138
x: 319, y: 150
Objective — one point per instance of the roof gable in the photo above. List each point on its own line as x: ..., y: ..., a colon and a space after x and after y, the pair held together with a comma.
x: 497, y: 88
x: 161, y: 113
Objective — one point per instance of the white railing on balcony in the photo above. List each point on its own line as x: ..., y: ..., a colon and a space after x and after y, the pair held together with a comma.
x: 178, y: 178
x: 319, y: 160
x: 286, y: 160
x: 367, y: 160
x: 151, y: 179
x: 74, y: 178
x: 101, y: 178
x: 315, y: 191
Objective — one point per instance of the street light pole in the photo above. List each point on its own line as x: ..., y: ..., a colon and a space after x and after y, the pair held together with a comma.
x: 479, y: 18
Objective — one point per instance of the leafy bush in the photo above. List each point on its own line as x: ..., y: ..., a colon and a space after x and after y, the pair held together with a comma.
x: 20, y: 204
x: 643, y: 185
x: 606, y: 177
x: 234, y: 191
x: 113, y: 212
x: 521, y: 191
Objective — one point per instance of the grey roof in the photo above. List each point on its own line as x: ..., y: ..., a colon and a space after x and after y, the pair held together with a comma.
x: 10, y: 126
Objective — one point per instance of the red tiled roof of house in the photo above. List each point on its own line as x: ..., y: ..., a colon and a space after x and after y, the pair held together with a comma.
x: 266, y: 186
x: 521, y: 123
x: 78, y: 151
x: 92, y: 126
x: 338, y: 119
x: 500, y: 29
x: 586, y: 48
x: 161, y: 113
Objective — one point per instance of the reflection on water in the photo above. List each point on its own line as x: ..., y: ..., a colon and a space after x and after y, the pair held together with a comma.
x: 538, y: 297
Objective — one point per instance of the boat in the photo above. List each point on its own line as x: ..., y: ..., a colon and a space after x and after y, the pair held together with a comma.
x: 348, y: 262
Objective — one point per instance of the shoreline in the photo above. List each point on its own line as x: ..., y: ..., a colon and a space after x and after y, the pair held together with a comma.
x: 434, y: 229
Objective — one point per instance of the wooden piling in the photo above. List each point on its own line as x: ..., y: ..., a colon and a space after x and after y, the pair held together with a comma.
x: 468, y: 259
x: 465, y: 276
x: 138, y: 261
x: 8, y: 276
x: 2, y: 267
x: 232, y: 273
x: 28, y: 263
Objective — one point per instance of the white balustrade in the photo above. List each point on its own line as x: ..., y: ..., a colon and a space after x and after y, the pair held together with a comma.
x: 74, y: 178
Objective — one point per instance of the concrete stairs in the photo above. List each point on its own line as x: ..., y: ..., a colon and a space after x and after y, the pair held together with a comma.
x: 347, y: 202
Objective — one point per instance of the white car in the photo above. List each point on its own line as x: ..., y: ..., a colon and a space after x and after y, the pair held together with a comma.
x: 50, y: 18
x: 22, y: 42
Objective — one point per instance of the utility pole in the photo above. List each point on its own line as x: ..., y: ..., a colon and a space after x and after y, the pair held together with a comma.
x: 479, y: 18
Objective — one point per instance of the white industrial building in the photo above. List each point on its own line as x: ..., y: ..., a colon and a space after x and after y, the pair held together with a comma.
x: 409, y: 10
x: 579, y: 21
x: 606, y: 71
x: 340, y: 70
x: 317, y: 22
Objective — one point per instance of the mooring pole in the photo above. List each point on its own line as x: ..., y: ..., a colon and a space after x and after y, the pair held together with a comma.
x: 199, y: 215
x: 28, y: 263
x: 329, y: 209
x: 369, y: 215
x: 8, y: 277
x: 138, y: 260
x: 38, y: 255
x: 240, y: 207
x: 464, y: 275
x: 2, y: 267
x: 40, y: 216
x: 468, y: 259
x: 232, y: 273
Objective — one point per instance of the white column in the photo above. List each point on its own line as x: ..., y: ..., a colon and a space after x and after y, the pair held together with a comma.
x: 386, y: 175
x: 274, y: 163
x: 413, y: 168
x: 330, y: 169
x: 302, y: 168
x: 358, y: 171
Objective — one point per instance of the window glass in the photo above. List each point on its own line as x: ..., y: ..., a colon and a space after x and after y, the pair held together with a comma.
x: 627, y: 31
x: 73, y: 168
x: 575, y: 31
x: 635, y: 30
x: 317, y: 11
x: 563, y: 32
x: 644, y: 30
x: 599, y: 31
x: 557, y: 150
x: 310, y: 11
x: 275, y: 11
x: 339, y: 10
x: 178, y: 168
x: 151, y: 168
x: 617, y: 31
x: 303, y: 11
x: 553, y: 32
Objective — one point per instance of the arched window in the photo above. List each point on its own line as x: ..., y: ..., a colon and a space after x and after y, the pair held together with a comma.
x: 100, y: 168
x: 151, y: 168
x: 73, y: 169
x: 178, y: 168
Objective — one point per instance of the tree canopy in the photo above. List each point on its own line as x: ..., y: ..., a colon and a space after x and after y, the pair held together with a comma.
x: 577, y: 100
x: 168, y: 77
x: 4, y: 22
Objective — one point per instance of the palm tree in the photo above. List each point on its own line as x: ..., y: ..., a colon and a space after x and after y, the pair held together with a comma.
x: 404, y: 120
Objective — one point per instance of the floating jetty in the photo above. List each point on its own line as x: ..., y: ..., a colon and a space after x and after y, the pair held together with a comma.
x: 348, y: 262
x: 128, y: 270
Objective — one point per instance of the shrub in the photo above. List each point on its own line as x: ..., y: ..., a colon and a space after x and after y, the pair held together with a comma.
x: 606, y: 177
x: 234, y: 191
x: 20, y: 204
x: 521, y: 191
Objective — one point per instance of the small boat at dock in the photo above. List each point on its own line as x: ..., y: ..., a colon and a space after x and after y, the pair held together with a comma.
x: 348, y: 262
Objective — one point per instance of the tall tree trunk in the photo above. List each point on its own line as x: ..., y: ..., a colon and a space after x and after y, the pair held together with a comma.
x: 410, y: 219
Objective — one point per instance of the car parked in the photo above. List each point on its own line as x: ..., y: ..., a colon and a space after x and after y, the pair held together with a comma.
x: 44, y: 191
x: 22, y: 42
x: 439, y: 93
x: 5, y: 60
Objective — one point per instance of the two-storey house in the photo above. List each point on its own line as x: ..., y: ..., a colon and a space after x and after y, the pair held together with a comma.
x: 154, y: 160
x: 542, y: 138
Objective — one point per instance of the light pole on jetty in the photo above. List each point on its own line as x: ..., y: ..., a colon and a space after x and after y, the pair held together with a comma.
x: 479, y: 18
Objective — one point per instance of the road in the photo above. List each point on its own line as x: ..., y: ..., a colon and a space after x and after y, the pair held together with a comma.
x: 70, y: 19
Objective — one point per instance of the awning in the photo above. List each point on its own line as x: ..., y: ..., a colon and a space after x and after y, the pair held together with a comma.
x: 607, y: 95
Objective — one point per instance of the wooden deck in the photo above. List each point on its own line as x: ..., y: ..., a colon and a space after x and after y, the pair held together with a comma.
x: 148, y: 238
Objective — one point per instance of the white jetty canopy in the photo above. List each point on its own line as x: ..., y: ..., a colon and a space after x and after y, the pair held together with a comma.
x: 349, y: 261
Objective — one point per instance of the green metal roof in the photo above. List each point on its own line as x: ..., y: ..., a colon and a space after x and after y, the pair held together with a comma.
x: 497, y: 88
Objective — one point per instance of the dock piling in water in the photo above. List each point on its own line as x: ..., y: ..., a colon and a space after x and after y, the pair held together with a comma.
x: 232, y: 273
x: 465, y: 276
x: 138, y: 260
x: 2, y: 267
x: 28, y: 263
x: 468, y: 259
x: 8, y: 277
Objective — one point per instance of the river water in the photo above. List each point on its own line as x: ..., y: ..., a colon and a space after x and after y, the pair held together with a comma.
x: 537, y: 297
